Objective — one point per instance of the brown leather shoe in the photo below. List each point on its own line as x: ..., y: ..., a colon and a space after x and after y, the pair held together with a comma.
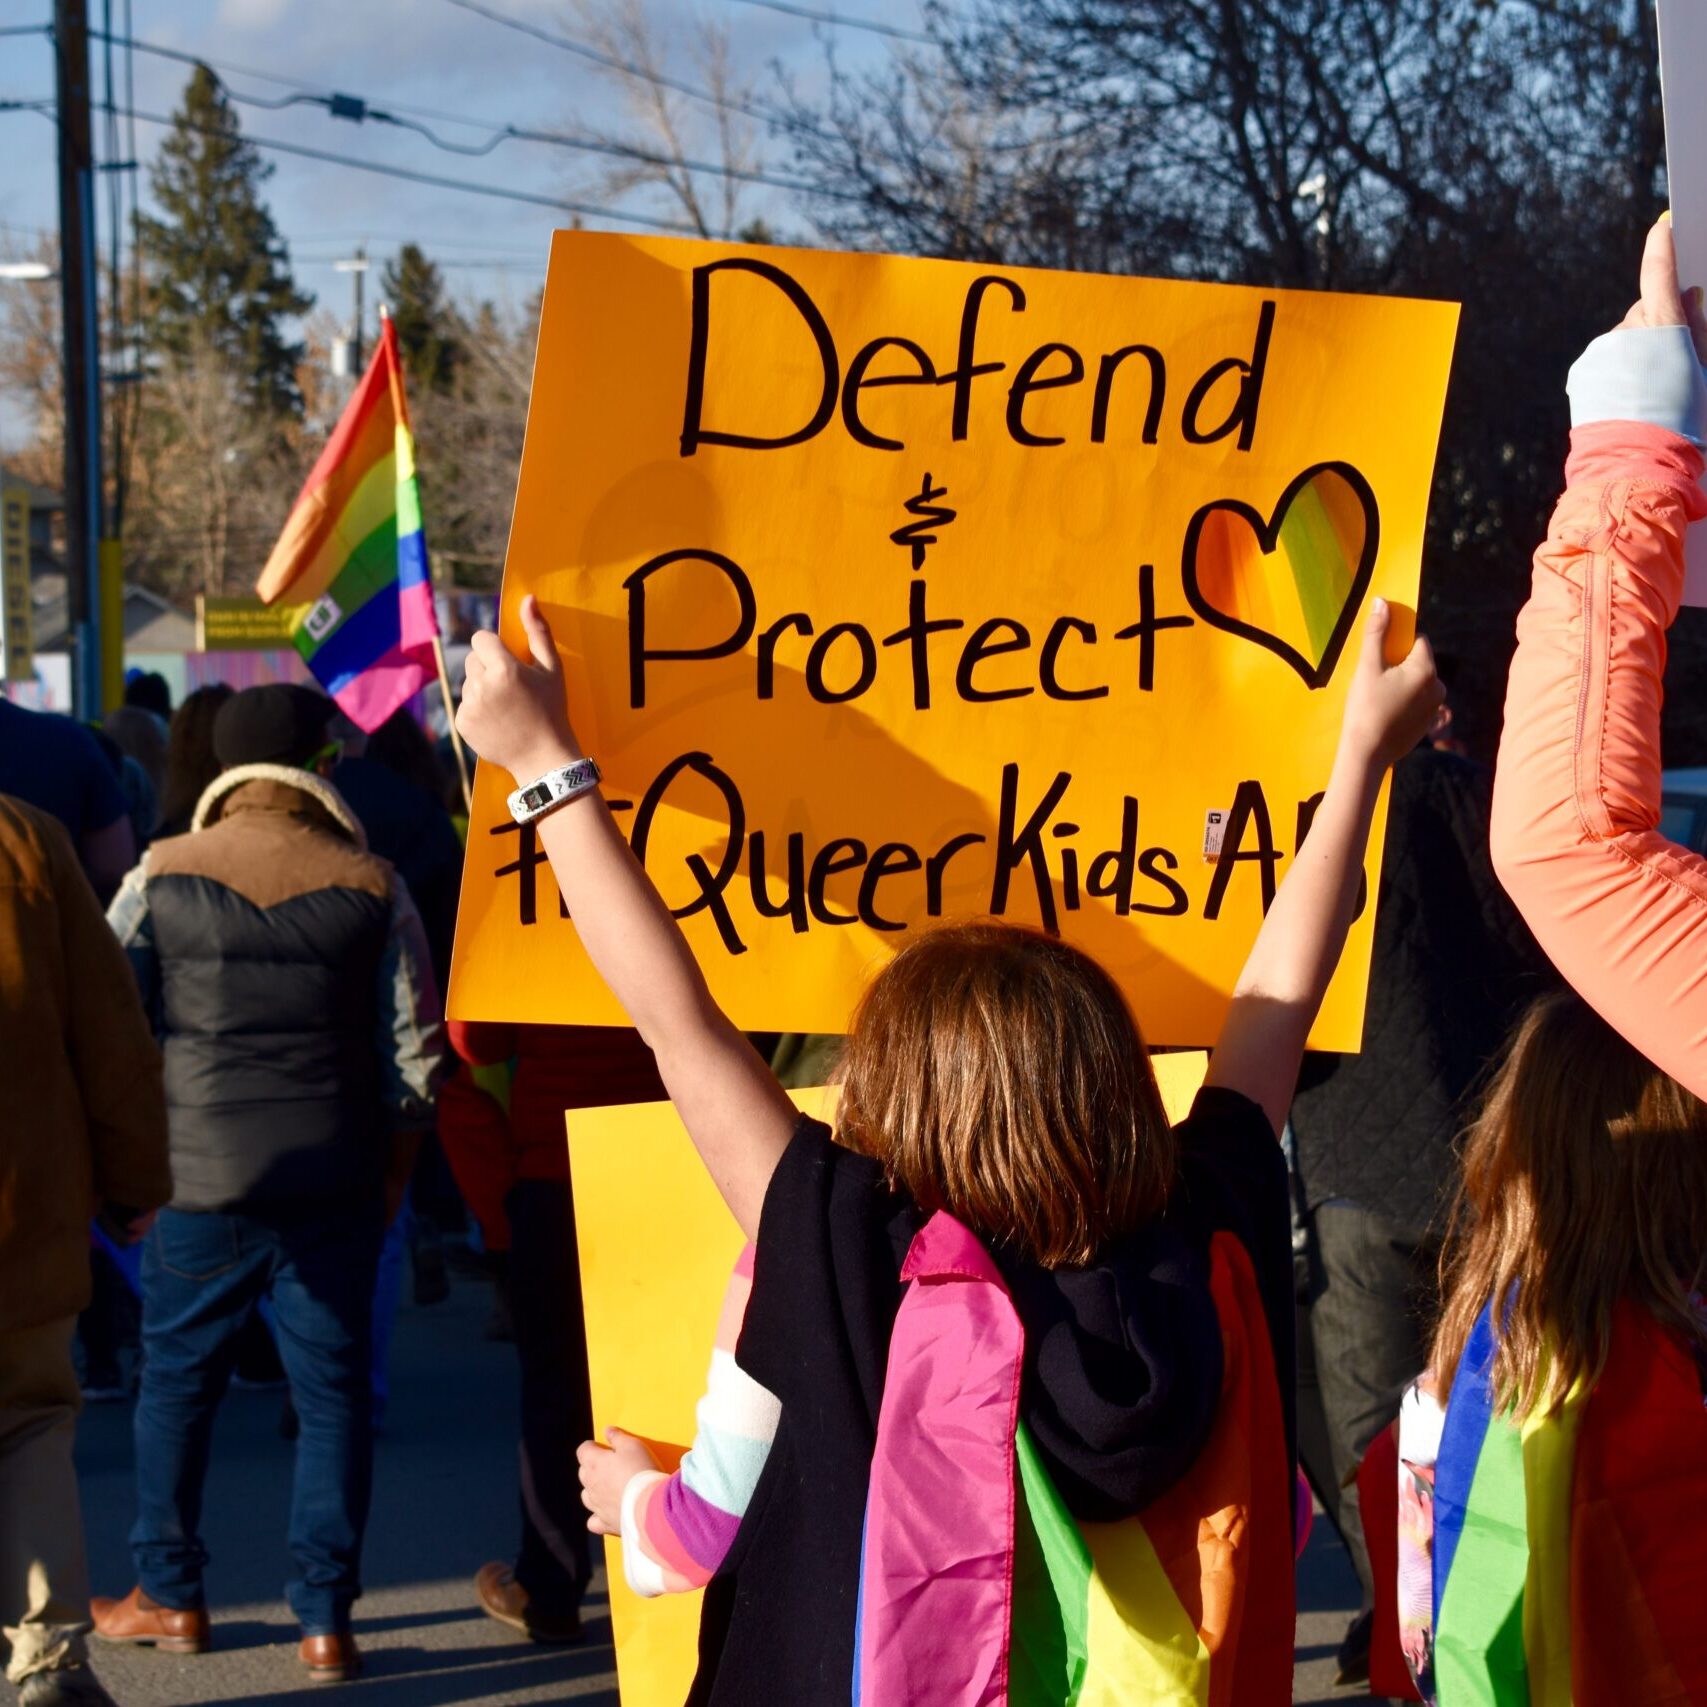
x: 503, y: 1598
x: 138, y: 1619
x: 330, y: 1659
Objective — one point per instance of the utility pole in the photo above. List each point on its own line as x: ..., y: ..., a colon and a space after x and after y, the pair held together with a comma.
x: 349, y: 360
x: 82, y: 360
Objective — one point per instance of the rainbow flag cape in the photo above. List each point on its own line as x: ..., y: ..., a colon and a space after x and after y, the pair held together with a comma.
x: 1570, y: 1551
x: 978, y: 1588
x: 352, y: 556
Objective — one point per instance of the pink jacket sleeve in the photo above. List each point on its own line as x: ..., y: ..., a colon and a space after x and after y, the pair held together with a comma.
x: 1620, y: 911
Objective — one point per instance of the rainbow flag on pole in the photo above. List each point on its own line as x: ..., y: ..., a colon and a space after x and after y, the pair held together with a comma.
x: 1570, y: 1551
x: 352, y: 556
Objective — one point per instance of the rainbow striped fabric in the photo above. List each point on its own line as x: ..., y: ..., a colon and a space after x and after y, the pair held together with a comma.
x: 353, y: 558
x: 979, y: 1589
x: 1570, y: 1551
x: 676, y: 1529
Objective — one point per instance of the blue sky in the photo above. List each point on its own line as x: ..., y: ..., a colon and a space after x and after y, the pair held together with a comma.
x: 426, y: 53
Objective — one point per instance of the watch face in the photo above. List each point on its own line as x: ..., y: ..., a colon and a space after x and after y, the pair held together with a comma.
x: 537, y: 796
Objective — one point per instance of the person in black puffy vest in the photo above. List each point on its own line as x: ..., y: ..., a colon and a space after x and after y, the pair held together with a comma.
x: 288, y: 977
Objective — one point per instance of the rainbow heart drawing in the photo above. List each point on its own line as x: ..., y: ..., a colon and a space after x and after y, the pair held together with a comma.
x: 1292, y: 582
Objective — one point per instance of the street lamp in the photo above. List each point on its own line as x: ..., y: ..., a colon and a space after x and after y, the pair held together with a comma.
x: 27, y: 272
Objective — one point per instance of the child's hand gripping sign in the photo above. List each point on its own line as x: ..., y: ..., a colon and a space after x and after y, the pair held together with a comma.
x: 897, y: 590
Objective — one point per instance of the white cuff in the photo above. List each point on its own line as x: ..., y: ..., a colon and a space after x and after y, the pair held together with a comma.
x: 1422, y: 1421
x: 1649, y: 374
x: 645, y: 1576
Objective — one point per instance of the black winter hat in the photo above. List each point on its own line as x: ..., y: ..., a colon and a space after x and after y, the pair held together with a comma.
x: 281, y: 723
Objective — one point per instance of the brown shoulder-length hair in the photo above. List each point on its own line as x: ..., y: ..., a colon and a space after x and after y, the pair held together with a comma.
x: 1584, y: 1181
x: 190, y: 761
x: 997, y: 1073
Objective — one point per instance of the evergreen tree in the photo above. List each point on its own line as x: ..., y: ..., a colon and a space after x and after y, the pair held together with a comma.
x: 413, y: 289
x: 218, y: 273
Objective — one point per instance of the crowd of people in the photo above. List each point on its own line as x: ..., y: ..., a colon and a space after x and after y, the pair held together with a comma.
x: 1017, y: 1388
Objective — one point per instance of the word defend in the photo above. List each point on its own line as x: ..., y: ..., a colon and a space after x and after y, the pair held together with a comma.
x: 896, y: 591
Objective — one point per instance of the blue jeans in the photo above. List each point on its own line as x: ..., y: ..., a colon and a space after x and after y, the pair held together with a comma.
x: 201, y: 1277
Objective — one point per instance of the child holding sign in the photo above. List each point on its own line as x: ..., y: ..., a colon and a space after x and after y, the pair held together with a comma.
x: 1024, y: 1336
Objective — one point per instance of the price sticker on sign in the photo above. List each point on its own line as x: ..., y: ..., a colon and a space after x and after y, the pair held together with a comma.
x: 897, y: 590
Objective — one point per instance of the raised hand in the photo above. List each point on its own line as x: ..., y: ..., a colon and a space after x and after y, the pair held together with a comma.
x: 1390, y: 706
x: 1663, y: 302
x: 514, y: 710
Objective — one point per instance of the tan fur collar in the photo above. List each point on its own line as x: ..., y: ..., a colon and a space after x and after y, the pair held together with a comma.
x: 210, y: 805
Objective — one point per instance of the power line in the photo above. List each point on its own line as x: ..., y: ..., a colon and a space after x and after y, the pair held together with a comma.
x: 748, y: 109
x: 483, y: 263
x: 233, y: 68
x: 494, y: 264
x: 368, y: 235
x: 382, y: 169
x: 841, y: 21
x: 184, y: 58
x: 357, y: 109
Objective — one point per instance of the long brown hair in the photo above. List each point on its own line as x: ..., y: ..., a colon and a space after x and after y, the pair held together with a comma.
x: 998, y: 1074
x: 1584, y: 1181
x: 190, y: 764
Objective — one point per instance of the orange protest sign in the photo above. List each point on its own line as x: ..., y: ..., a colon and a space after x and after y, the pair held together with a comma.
x: 654, y: 1267
x: 892, y: 590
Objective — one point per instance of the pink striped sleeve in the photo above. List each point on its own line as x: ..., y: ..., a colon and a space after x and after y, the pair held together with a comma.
x: 676, y: 1530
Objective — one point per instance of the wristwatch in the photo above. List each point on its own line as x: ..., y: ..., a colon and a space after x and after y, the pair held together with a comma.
x: 556, y: 788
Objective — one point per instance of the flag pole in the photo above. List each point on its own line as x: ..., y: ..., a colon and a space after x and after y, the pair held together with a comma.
x: 450, y: 718
x: 438, y: 641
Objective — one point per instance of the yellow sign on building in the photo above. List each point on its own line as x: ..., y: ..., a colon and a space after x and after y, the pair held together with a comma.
x: 243, y: 624
x: 893, y: 590
x: 17, y: 624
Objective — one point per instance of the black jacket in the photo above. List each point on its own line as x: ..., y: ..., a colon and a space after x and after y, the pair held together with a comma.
x: 1453, y: 967
x: 289, y: 980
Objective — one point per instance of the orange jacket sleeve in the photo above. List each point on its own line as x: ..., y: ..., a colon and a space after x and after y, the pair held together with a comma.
x: 1621, y: 911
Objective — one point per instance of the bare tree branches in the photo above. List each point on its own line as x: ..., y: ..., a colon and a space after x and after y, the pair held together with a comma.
x: 680, y: 134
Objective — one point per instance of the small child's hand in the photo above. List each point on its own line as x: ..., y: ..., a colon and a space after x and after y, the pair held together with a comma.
x: 1390, y: 706
x: 605, y: 1472
x: 513, y: 711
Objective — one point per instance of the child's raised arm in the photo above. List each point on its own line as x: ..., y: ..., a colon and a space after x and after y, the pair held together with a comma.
x: 1286, y: 974
x: 514, y: 714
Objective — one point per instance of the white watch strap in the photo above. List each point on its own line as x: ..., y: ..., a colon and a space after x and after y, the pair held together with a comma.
x: 556, y: 788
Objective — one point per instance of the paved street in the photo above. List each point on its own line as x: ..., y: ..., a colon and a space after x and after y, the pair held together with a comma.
x: 444, y: 1503
x: 1327, y: 1597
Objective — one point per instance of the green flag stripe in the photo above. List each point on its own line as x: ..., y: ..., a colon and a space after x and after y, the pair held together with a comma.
x: 1050, y: 1647
x: 1479, y: 1654
x: 367, y: 571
